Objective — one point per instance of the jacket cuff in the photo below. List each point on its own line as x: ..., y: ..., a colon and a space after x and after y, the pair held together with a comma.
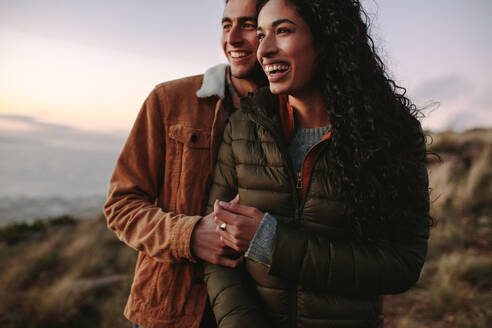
x: 183, y: 237
x: 261, y: 247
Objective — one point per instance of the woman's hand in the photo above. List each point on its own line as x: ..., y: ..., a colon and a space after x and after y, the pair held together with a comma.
x: 207, y: 245
x: 236, y: 223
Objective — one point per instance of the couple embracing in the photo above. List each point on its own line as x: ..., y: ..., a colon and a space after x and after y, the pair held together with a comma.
x: 286, y: 189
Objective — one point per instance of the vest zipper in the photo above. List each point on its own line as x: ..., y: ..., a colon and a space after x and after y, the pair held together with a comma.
x: 300, y: 174
x: 302, y: 200
x: 299, y: 211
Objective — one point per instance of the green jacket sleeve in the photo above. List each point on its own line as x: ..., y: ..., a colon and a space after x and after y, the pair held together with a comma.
x: 380, y: 267
x: 231, y: 293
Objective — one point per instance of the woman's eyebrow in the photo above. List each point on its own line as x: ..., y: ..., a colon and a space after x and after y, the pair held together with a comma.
x: 283, y: 20
x: 278, y: 22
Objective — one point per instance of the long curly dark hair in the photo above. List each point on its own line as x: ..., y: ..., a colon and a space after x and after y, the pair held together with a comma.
x: 376, y: 136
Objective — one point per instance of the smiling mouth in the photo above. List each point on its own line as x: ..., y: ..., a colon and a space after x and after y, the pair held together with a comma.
x: 239, y: 54
x: 276, y: 68
x: 276, y: 71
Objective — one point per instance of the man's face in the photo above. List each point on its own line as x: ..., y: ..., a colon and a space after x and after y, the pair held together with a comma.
x: 239, y: 40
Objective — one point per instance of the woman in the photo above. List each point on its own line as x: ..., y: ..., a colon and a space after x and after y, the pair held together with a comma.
x: 328, y: 228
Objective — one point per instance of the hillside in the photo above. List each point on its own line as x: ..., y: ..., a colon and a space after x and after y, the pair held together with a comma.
x: 61, y: 272
x: 455, y: 286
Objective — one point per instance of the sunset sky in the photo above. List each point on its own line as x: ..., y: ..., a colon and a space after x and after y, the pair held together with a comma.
x: 90, y: 64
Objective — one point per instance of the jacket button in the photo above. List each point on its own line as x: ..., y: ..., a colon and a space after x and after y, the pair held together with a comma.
x: 194, y: 138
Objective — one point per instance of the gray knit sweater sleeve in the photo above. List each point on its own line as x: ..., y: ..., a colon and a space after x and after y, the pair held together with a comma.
x: 261, y: 246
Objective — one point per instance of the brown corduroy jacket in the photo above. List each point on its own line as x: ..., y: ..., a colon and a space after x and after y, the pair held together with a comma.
x: 158, y: 191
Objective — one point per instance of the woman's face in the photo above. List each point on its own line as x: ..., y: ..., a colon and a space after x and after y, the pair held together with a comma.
x: 286, y: 50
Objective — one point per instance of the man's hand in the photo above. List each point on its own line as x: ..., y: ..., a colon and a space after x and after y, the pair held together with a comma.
x: 241, y: 223
x: 207, y: 245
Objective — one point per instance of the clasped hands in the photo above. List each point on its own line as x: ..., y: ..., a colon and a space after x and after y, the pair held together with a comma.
x: 236, y: 223
x: 226, y: 246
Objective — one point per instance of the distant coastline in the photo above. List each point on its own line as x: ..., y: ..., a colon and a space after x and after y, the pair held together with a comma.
x: 29, y: 209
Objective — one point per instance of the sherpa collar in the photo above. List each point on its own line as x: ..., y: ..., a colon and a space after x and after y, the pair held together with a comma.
x: 214, y: 82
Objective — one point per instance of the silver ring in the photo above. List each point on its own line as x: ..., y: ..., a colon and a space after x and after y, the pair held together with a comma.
x: 223, y: 226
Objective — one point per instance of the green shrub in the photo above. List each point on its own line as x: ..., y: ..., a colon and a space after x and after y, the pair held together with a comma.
x: 477, y: 270
x: 16, y: 232
x: 61, y: 220
x: 41, y: 268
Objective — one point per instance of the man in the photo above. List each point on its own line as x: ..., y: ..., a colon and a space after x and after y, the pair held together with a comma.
x: 159, y: 187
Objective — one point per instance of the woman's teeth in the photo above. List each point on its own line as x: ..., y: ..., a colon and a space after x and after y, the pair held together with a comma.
x: 276, y: 68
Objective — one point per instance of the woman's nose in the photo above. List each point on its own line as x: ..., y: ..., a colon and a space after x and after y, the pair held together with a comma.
x: 267, y: 47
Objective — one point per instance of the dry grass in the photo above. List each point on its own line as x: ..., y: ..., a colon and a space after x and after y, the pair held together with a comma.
x: 455, y: 291
x: 71, y: 274
x: 450, y: 291
x: 461, y: 183
x: 460, y: 142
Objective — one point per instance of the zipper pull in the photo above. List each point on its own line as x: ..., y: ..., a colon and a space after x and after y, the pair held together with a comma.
x: 299, y: 180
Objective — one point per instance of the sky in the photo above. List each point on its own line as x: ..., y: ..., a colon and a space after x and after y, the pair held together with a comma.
x: 89, y: 65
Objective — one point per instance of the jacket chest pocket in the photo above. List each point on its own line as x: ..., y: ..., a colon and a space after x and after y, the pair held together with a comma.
x: 190, y: 137
x: 190, y: 168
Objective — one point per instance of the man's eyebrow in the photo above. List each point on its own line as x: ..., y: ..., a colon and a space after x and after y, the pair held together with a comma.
x: 278, y: 22
x: 241, y: 19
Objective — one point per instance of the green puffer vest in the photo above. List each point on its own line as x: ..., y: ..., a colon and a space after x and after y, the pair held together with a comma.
x: 319, y: 275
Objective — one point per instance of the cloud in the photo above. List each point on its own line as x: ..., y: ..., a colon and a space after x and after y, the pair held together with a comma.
x: 34, y: 123
x: 58, y: 135
x: 461, y: 121
x: 483, y: 99
x: 444, y: 88
x: 49, y: 159
x: 462, y: 103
